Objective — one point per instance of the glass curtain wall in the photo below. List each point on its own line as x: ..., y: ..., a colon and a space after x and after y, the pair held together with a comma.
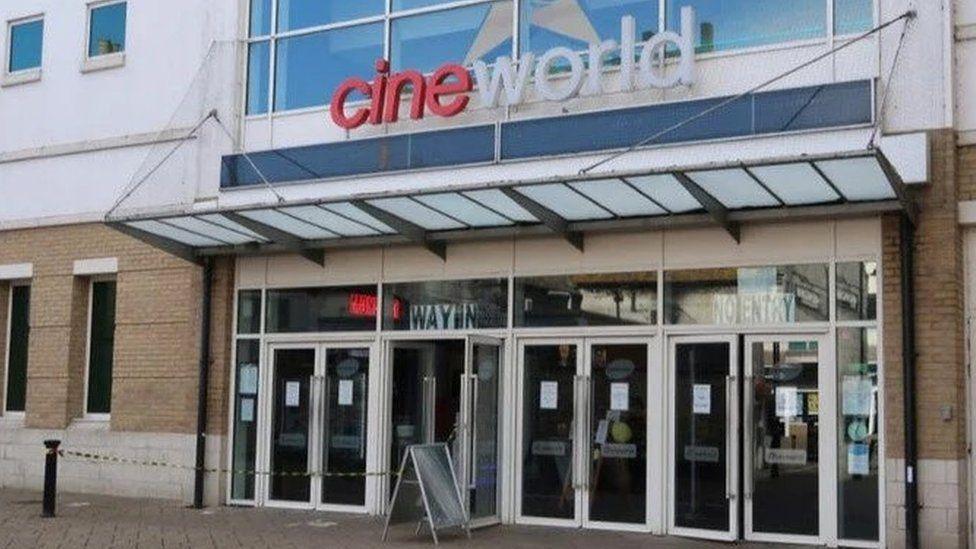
x: 288, y: 39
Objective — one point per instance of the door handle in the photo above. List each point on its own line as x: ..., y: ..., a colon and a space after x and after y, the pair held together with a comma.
x: 729, y: 394
x: 748, y: 469
x: 473, y: 447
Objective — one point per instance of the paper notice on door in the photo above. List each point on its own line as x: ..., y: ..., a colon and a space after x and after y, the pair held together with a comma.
x: 858, y: 396
x: 292, y: 391
x: 786, y: 402
x: 247, y: 410
x: 858, y: 459
x: 345, y: 392
x: 248, y: 382
x: 620, y: 397
x: 548, y: 395
x: 701, y: 399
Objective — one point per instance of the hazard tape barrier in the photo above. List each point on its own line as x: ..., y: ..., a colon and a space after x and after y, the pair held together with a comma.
x: 86, y: 456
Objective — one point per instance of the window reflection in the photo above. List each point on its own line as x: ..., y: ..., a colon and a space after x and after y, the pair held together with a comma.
x: 299, y: 14
x: 616, y: 299
x: 463, y: 35
x: 546, y: 24
x: 107, y: 30
x: 852, y: 16
x: 25, y: 46
x: 245, y: 419
x: 349, y: 308
x: 857, y: 291
x: 735, y: 24
x: 258, y: 64
x: 446, y: 305
x: 752, y: 295
x: 303, y: 80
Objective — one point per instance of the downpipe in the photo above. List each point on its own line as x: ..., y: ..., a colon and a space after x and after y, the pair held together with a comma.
x: 907, y: 240
x: 203, y: 384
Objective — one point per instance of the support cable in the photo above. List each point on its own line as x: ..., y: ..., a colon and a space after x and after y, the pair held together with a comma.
x: 250, y: 162
x: 910, y: 14
x: 882, y: 108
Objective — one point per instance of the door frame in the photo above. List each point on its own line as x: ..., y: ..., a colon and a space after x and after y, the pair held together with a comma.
x: 826, y: 437
x: 582, y: 427
x: 732, y: 465
x: 467, y: 414
x: 316, y: 428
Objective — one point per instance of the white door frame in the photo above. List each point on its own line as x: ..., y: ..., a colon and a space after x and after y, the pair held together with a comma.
x: 731, y: 438
x: 826, y: 387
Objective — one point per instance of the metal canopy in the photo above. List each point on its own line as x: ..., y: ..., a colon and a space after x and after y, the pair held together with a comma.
x: 719, y: 195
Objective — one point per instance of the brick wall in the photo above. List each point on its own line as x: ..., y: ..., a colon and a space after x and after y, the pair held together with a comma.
x: 157, y: 330
x: 940, y: 363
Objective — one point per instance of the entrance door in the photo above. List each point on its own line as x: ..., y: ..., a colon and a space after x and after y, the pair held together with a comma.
x: 448, y: 391
x: 704, y: 434
x: 318, y: 437
x: 583, y: 433
x: 292, y: 372
x: 783, y: 438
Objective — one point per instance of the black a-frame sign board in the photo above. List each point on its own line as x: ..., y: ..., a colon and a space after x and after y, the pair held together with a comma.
x: 427, y: 492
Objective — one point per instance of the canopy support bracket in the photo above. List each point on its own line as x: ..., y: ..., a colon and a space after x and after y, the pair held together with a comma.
x: 273, y: 234
x: 711, y: 204
x: 555, y: 222
x: 171, y: 247
x: 414, y: 233
x: 908, y: 202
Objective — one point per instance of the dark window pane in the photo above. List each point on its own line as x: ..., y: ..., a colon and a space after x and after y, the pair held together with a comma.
x: 17, y: 353
x: 462, y: 35
x: 249, y: 312
x: 258, y: 77
x: 857, y: 433
x: 857, y: 291
x: 851, y: 16
x: 546, y: 25
x: 344, y: 445
x: 107, y: 30
x: 303, y: 80
x: 349, y: 308
x: 102, y: 347
x: 245, y: 419
x: 298, y: 14
x: 734, y: 24
x: 446, y: 305
x: 748, y: 295
x: 829, y: 105
x: 384, y: 154
x: 616, y: 299
x: 26, y: 44
x: 260, y: 18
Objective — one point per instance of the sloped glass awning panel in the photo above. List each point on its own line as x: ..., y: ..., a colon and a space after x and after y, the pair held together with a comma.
x: 566, y: 206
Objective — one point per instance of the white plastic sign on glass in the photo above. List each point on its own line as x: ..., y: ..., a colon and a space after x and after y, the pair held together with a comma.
x: 702, y: 399
x: 858, y: 459
x: 345, y: 392
x: 858, y: 396
x: 248, y: 382
x: 620, y: 396
x: 292, y: 390
x: 247, y: 410
x: 549, y: 395
x: 786, y: 402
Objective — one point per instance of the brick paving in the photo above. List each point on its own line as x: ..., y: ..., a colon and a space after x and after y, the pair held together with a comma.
x: 88, y: 521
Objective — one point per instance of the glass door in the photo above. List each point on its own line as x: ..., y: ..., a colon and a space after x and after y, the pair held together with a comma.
x: 549, y: 431
x: 342, y: 393
x: 292, y: 371
x: 783, y: 438
x: 615, y: 456
x: 704, y: 437
x: 481, y: 441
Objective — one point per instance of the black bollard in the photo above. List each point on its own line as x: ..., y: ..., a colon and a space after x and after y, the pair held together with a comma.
x: 50, y: 477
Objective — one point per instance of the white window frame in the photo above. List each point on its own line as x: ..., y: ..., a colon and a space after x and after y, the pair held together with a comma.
x: 23, y: 76
x: 86, y: 415
x: 8, y: 414
x: 108, y: 60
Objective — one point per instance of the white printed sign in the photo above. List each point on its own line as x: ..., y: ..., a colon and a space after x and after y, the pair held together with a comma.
x: 548, y: 395
x: 858, y: 459
x: 786, y: 456
x: 247, y: 410
x: 345, y: 392
x: 787, y: 402
x: 701, y: 397
x: 292, y: 391
x: 858, y: 396
x: 248, y: 382
x: 620, y: 396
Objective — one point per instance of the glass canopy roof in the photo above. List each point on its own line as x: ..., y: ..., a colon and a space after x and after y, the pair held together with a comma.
x: 557, y: 205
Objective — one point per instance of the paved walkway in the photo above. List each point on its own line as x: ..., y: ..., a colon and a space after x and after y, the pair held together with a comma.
x: 86, y: 521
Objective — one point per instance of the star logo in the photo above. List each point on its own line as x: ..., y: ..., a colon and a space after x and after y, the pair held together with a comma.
x: 564, y: 17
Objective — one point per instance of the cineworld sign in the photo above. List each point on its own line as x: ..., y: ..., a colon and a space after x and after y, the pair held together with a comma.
x: 447, y: 92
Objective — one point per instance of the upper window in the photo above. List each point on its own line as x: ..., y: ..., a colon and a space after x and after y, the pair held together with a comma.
x: 423, y: 34
x: 26, y: 39
x: 106, y: 29
x: 735, y: 24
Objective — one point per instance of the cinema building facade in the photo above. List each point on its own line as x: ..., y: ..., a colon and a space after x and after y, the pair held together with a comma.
x: 708, y: 289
